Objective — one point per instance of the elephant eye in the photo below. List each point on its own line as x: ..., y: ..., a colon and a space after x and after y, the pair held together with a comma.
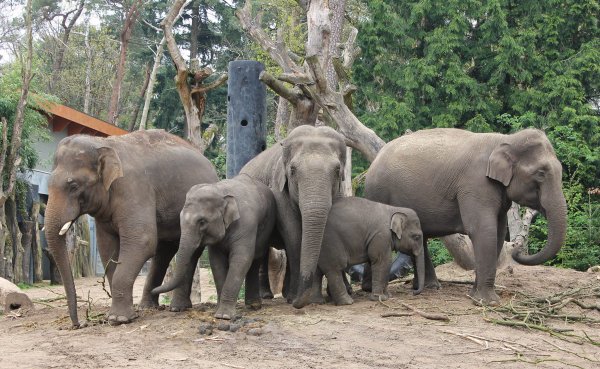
x: 293, y: 170
x: 540, y: 175
x: 73, y: 186
x: 202, y: 221
x: 416, y: 237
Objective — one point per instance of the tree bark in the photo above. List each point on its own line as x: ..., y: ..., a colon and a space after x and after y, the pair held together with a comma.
x: 36, y: 245
x: 282, y: 118
x: 130, y: 19
x: 16, y: 257
x: 87, y: 95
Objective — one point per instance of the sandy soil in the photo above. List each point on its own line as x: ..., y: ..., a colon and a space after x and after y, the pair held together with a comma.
x: 318, y: 336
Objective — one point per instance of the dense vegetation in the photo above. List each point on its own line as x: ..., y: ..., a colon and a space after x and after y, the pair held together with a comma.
x: 492, y: 65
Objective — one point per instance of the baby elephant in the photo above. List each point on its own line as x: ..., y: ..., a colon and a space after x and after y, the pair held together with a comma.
x: 234, y: 218
x: 359, y: 230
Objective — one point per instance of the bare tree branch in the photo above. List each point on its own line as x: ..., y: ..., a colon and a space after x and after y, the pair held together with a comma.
x: 280, y: 88
x: 205, y: 88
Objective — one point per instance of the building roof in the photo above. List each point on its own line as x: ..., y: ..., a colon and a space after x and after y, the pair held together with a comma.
x: 62, y: 117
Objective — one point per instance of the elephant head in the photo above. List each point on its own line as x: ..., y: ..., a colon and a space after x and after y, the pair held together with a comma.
x: 528, y: 168
x: 207, y: 214
x: 408, y: 238
x: 80, y: 183
x: 311, y: 170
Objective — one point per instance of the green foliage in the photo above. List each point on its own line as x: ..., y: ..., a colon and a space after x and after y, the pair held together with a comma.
x: 494, y: 66
x: 438, y: 252
x: 34, y: 125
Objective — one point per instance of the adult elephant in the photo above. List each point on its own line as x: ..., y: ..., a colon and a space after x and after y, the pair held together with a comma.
x: 463, y: 182
x: 304, y: 172
x: 134, y: 186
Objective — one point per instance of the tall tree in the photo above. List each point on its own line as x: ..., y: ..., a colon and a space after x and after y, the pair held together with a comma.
x: 132, y: 11
x: 190, y: 83
x: 51, y: 10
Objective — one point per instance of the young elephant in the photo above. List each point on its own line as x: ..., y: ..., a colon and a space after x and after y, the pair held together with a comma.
x: 360, y: 230
x: 234, y: 218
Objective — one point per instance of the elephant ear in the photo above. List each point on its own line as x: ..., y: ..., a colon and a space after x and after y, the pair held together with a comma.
x: 231, y: 212
x: 109, y: 167
x: 397, y: 223
x: 500, y: 164
x: 280, y: 178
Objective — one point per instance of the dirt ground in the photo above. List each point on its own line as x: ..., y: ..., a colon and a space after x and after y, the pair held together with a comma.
x: 318, y: 336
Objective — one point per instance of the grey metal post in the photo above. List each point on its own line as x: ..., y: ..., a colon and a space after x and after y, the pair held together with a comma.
x: 246, y: 114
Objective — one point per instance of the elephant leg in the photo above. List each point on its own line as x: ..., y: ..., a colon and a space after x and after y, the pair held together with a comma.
x: 431, y: 280
x: 108, y: 248
x: 158, y: 268
x: 316, y: 295
x: 381, y: 271
x: 502, y: 231
x: 219, y: 266
x: 291, y: 231
x: 265, y: 287
x: 367, y: 283
x: 482, y: 227
x: 181, y: 295
x: 347, y: 283
x: 252, y: 295
x: 239, y: 264
x: 135, y: 251
x: 337, y: 288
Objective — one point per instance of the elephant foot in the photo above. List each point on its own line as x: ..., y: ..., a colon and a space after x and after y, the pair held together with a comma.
x: 344, y: 300
x: 378, y: 297
x: 266, y: 295
x: 117, y: 318
x: 180, y: 304
x: 253, y: 304
x: 484, y: 297
x: 148, y: 304
x: 225, y: 312
x: 432, y: 283
x: 317, y: 299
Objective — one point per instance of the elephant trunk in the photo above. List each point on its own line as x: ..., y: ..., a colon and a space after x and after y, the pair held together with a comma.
x: 315, y: 203
x: 420, y: 271
x: 555, y: 208
x: 55, y: 236
x: 187, y: 247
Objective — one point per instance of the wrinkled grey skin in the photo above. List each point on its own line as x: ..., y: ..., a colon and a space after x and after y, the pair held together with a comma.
x: 358, y: 231
x: 235, y: 219
x: 463, y: 182
x: 304, y: 172
x: 134, y: 186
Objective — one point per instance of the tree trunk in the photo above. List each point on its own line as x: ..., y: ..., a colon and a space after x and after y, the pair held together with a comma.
x: 141, y: 99
x: 130, y: 19
x: 151, y: 82
x: 3, y: 237
x: 27, y: 241
x: 282, y: 119
x: 87, y: 95
x: 16, y: 256
x: 36, y: 245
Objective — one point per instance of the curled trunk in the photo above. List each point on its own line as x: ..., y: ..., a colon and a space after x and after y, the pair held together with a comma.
x: 187, y: 247
x: 555, y: 208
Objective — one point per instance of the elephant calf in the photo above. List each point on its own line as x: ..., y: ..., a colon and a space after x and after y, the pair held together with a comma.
x: 235, y: 219
x: 360, y: 230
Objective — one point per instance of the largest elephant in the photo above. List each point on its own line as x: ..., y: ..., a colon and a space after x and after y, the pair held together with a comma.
x: 463, y: 182
x: 304, y: 172
x: 134, y: 186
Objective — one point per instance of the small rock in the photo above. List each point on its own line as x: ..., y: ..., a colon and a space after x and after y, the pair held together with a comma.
x: 234, y: 327
x: 594, y: 269
x: 255, y: 331
x: 205, y: 329
x: 223, y: 326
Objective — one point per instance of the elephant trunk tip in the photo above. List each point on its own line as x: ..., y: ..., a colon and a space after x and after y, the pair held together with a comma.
x: 304, y: 292
x: 162, y: 289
